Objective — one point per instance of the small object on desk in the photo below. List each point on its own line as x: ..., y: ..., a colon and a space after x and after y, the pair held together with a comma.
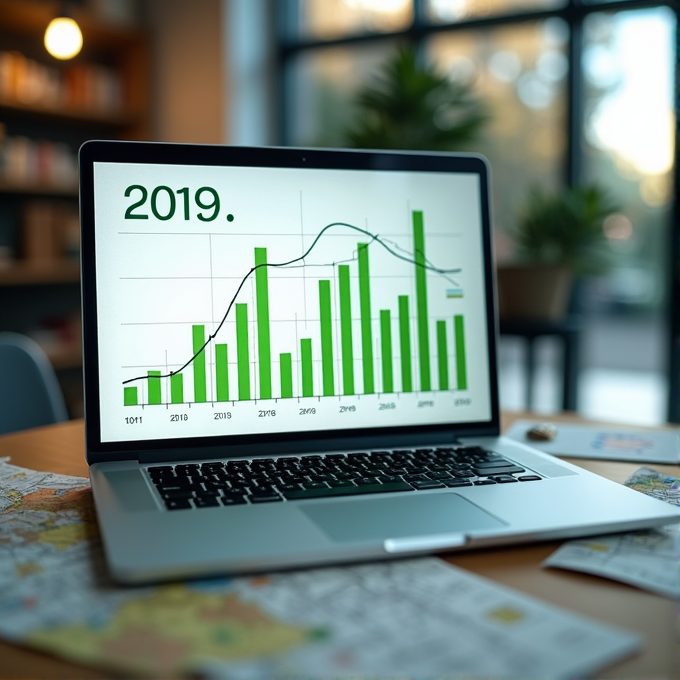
x: 591, y: 441
x: 543, y: 432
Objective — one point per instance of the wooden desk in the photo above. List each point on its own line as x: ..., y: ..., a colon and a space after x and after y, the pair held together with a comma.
x: 60, y: 449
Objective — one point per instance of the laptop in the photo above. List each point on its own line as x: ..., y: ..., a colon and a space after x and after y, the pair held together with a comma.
x: 290, y: 360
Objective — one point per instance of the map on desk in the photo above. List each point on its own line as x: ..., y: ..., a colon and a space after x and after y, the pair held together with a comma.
x: 646, y: 559
x: 409, y: 618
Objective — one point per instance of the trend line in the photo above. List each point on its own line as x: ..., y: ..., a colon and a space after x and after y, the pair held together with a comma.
x: 374, y: 237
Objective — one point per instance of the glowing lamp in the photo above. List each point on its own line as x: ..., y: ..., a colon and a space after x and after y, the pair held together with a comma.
x: 63, y: 38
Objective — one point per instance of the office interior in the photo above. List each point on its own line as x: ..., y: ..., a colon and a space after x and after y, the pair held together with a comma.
x: 575, y: 93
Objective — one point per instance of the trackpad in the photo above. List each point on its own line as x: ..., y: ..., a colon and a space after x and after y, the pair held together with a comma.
x: 398, y: 517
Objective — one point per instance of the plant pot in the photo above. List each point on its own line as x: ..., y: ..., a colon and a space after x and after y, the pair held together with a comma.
x: 533, y: 292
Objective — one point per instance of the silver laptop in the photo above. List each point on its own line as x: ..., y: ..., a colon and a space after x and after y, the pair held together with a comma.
x: 290, y: 359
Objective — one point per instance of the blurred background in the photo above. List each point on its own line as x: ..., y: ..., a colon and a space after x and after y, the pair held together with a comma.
x: 564, y: 93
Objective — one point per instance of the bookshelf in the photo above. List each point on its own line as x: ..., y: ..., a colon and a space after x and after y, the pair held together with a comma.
x: 48, y: 109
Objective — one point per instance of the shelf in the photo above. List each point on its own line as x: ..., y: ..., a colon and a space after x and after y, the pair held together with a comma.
x: 68, y: 113
x: 29, y: 273
x: 38, y: 189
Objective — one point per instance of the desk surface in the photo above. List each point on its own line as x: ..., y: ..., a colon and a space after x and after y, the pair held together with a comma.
x: 60, y: 449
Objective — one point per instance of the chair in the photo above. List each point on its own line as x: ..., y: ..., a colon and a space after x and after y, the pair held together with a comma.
x: 567, y: 330
x: 30, y: 395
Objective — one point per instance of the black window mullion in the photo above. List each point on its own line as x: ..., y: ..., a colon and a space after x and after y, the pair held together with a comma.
x: 573, y: 162
x: 672, y: 301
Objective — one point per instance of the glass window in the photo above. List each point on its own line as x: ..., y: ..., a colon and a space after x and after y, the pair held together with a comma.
x: 323, y: 85
x: 326, y: 19
x: 445, y: 11
x: 628, y: 140
x: 520, y: 71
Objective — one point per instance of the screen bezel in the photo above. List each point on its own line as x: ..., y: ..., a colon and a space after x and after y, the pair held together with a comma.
x: 239, y: 445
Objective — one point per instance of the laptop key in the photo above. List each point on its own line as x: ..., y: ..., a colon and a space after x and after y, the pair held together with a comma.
x: 510, y: 470
x: 427, y: 484
x: 503, y: 479
x: 160, y: 469
x: 452, y: 483
x: 389, y: 478
x: 233, y: 499
x: 346, y: 490
x: 174, y: 486
x: 488, y: 464
x: 529, y: 478
x: 415, y: 478
x: 207, y: 493
x: 206, y: 502
x: 321, y: 478
x: 262, y: 489
x: 439, y: 475
x: 315, y: 485
x: 176, y: 494
x: 265, y: 499
x: 438, y: 468
x: 188, y: 468
x: 177, y: 504
x: 366, y: 481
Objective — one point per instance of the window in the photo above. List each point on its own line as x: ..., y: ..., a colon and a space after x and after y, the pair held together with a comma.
x: 578, y: 91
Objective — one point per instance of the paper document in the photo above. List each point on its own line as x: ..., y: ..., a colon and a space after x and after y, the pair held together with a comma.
x: 647, y: 559
x: 587, y: 441
x: 397, y: 619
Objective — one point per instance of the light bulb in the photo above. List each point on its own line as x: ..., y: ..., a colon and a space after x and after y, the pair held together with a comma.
x: 63, y: 38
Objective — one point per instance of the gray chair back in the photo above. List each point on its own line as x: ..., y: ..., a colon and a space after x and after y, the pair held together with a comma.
x: 30, y: 395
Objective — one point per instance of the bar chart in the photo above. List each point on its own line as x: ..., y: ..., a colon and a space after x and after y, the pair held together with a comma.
x: 393, y: 372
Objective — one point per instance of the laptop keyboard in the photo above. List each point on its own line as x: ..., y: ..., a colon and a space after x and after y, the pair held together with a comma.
x: 291, y: 478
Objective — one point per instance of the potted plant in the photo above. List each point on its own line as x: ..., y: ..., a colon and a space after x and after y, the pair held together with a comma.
x: 558, y: 236
x: 409, y: 104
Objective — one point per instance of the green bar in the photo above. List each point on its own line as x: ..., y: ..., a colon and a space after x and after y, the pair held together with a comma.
x: 177, y: 388
x: 222, y: 372
x: 442, y: 356
x: 421, y: 301
x: 154, y: 383
x: 242, y: 351
x: 365, y: 318
x: 386, y: 345
x: 326, y: 337
x: 405, y: 344
x: 461, y: 367
x: 200, y: 392
x: 130, y: 396
x: 307, y: 367
x: 286, y: 367
x: 346, y: 330
x: 263, y: 335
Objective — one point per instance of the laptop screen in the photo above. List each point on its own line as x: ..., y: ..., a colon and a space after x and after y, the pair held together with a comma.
x: 241, y: 300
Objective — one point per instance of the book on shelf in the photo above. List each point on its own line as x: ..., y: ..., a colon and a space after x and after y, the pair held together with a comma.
x: 49, y: 231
